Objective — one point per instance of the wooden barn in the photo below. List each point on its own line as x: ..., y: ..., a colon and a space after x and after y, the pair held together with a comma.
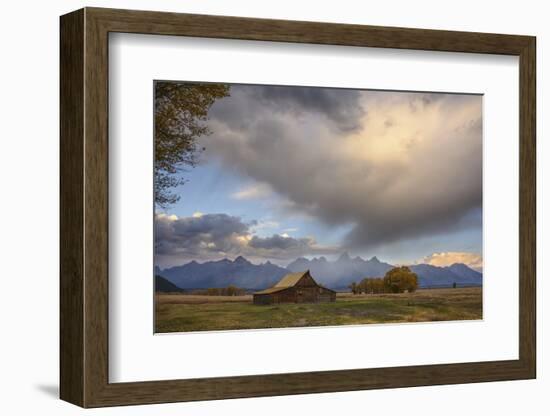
x: 295, y: 288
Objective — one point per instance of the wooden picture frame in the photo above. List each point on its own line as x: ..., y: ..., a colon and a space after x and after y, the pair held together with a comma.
x: 84, y: 207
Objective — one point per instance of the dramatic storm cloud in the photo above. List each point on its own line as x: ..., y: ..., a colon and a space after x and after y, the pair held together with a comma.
x: 212, y: 236
x: 341, y: 107
x: 392, y: 166
x: 337, y: 109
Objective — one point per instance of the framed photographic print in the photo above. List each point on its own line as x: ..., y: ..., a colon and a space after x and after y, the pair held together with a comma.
x: 249, y: 205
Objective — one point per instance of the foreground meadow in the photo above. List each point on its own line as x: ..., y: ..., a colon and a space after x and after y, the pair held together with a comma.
x: 182, y: 313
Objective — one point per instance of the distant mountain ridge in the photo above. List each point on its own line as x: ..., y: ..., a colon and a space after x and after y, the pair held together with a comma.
x: 164, y: 285
x: 222, y: 273
x: 434, y: 276
x: 342, y: 272
x: 338, y: 274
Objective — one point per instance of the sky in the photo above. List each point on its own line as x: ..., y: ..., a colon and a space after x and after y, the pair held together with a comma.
x: 306, y: 171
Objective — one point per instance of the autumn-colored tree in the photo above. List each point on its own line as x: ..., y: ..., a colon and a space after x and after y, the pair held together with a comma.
x: 378, y: 285
x: 181, y: 112
x: 362, y: 286
x: 399, y: 279
x: 371, y: 285
x: 367, y: 286
x: 396, y: 280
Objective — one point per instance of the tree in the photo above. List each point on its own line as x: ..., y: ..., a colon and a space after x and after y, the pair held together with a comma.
x: 181, y: 110
x: 231, y: 291
x: 363, y: 286
x: 371, y: 285
x: 353, y: 288
x: 399, y: 279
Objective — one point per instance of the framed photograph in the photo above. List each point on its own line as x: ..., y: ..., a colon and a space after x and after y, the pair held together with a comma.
x: 255, y: 207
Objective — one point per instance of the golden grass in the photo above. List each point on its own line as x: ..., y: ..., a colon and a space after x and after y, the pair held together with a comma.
x: 180, y: 312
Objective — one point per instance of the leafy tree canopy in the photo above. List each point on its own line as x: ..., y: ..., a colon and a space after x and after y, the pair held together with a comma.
x: 181, y: 112
x: 400, y: 279
x: 396, y: 280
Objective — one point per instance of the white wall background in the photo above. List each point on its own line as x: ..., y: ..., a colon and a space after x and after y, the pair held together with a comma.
x: 29, y: 212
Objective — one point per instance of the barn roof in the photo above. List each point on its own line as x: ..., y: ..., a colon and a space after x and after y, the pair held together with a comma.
x: 270, y: 290
x: 287, y: 281
x: 291, y: 279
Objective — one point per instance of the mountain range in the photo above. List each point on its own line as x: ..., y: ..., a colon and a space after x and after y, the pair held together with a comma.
x: 338, y: 274
x: 164, y: 285
x: 342, y: 272
x: 222, y: 273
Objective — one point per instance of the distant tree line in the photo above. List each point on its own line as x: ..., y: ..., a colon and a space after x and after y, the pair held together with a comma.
x: 221, y: 291
x: 396, y: 280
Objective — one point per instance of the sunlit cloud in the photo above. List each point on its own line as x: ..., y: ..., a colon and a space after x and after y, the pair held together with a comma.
x: 256, y: 191
x: 472, y: 260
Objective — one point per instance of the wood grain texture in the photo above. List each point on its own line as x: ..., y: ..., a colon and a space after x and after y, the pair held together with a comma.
x: 96, y: 209
x: 71, y: 100
x: 224, y: 27
x: 527, y: 208
x: 84, y: 207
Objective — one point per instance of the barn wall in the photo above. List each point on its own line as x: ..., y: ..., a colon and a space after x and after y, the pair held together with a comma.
x: 285, y: 296
x: 326, y: 295
x: 262, y: 299
x: 307, y: 294
x: 296, y: 294
x: 306, y: 281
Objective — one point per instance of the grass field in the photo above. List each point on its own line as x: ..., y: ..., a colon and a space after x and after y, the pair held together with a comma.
x: 182, y: 313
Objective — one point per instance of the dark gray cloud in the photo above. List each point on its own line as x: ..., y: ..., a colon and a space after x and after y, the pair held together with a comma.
x: 199, y: 234
x: 211, y: 236
x: 341, y: 106
x: 340, y: 109
x: 410, y: 166
x: 279, y: 242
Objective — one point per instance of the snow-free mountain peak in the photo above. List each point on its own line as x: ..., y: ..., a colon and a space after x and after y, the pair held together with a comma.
x: 344, y: 257
x: 337, y: 274
x: 241, y: 260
